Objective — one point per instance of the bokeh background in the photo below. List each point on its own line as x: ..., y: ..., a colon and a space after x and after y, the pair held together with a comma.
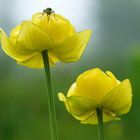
x: 114, y: 46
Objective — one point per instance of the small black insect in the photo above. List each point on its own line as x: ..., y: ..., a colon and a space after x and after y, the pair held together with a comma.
x: 48, y: 12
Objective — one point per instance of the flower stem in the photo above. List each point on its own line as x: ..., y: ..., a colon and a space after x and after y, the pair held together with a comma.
x: 100, y: 123
x: 51, y: 102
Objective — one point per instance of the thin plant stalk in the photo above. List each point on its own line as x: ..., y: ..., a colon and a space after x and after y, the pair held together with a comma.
x: 50, y: 96
x: 100, y: 123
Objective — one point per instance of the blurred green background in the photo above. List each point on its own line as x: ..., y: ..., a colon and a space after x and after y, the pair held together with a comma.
x: 114, y: 46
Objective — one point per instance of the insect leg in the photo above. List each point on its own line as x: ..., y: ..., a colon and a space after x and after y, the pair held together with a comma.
x: 42, y: 14
x: 48, y: 16
x: 54, y: 15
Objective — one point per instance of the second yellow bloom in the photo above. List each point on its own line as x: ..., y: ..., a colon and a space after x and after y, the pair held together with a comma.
x: 95, y: 89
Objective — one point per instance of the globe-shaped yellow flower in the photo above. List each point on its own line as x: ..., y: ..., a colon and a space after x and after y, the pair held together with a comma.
x: 95, y: 89
x: 56, y: 35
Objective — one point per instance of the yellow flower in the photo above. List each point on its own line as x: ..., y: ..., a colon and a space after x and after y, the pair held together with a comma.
x: 57, y: 35
x: 95, y: 89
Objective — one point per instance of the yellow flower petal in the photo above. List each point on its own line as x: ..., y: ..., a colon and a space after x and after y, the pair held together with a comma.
x: 111, y: 75
x: 58, y: 27
x: 14, y: 34
x: 71, y: 48
x: 10, y: 49
x: 36, y: 61
x: 31, y: 38
x: 78, y: 107
x: 72, y: 91
x: 119, y: 100
x: 92, y: 119
x: 84, y: 109
x: 94, y: 84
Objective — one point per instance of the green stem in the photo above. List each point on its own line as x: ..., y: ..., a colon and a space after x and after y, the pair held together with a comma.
x: 51, y: 102
x: 100, y: 123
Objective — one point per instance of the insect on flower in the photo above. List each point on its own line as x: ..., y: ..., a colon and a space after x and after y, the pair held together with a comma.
x: 59, y: 37
x: 48, y: 12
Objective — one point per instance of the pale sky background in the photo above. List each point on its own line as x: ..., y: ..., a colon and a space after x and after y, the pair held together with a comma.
x: 77, y: 11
